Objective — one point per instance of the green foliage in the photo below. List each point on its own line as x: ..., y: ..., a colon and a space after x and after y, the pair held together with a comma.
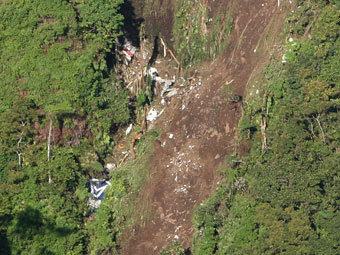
x: 197, y: 36
x: 54, y: 59
x: 229, y: 94
x: 173, y: 248
x: 103, y: 28
x: 141, y: 99
x: 106, y: 227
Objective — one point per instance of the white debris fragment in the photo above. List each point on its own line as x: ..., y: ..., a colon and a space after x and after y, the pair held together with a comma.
x: 110, y: 166
x: 183, y: 107
x: 176, y: 237
x: 171, y: 136
x: 163, y: 101
x: 128, y: 57
x: 153, y: 72
x: 291, y: 39
x: 128, y: 45
x: 167, y: 84
x: 145, y: 54
x: 172, y: 92
x: 152, y: 115
x: 128, y: 130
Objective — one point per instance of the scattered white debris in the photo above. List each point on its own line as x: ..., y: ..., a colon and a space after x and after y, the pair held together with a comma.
x: 153, y: 72
x: 110, y: 166
x: 128, y: 45
x: 163, y: 101
x: 171, y: 136
x: 145, y: 54
x: 257, y: 91
x: 128, y: 130
x: 171, y: 92
x: 167, y: 84
x: 291, y: 39
x: 163, y: 144
x: 183, y: 189
x: 183, y: 107
x: 152, y: 115
x: 176, y: 237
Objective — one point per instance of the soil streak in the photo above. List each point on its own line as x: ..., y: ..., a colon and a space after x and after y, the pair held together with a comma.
x: 198, y: 132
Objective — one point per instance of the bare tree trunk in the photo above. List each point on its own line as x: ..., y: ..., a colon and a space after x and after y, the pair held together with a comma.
x: 263, y: 132
x: 19, y: 158
x: 49, y: 148
x: 164, y: 48
x: 319, y: 123
x: 18, y: 151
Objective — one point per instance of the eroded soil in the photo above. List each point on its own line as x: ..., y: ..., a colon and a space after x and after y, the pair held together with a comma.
x: 198, y: 130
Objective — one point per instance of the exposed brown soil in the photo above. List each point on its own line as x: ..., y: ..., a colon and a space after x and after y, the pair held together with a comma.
x: 199, y: 129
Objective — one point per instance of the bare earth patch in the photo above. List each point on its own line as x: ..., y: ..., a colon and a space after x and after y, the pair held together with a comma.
x: 199, y: 128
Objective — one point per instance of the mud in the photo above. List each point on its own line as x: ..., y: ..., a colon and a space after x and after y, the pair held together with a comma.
x: 199, y: 129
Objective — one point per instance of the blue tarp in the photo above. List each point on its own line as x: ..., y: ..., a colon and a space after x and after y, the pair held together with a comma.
x: 97, y: 189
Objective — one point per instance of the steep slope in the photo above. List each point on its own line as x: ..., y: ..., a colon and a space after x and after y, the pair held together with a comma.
x: 199, y: 131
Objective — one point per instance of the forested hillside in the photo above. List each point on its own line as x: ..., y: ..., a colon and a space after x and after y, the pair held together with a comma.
x: 283, y: 196
x: 60, y: 103
x: 63, y: 103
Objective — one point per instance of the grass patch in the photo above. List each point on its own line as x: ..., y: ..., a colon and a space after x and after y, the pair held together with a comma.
x: 197, y: 36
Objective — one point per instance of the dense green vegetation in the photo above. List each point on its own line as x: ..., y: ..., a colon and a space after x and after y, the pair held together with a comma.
x: 283, y: 196
x: 56, y: 77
